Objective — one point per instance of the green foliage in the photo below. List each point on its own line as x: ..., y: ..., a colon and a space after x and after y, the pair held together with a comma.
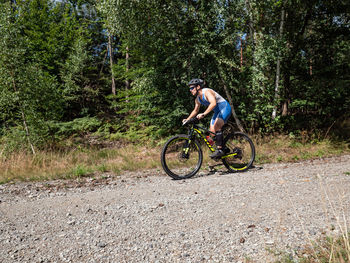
x: 30, y: 97
x: 80, y: 171
x: 55, y: 76
x: 78, y: 126
x: 12, y: 140
x: 73, y: 68
x: 46, y: 71
x: 183, y: 45
x: 51, y: 31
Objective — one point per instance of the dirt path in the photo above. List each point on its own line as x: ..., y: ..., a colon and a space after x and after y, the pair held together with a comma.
x: 148, y: 217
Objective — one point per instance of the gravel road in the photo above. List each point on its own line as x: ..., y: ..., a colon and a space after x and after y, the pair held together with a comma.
x: 148, y: 217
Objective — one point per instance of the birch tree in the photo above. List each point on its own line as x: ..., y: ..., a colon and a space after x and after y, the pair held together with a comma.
x: 29, y: 97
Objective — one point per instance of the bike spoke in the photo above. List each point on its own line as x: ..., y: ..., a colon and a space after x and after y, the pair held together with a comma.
x: 181, y: 158
x: 241, y: 152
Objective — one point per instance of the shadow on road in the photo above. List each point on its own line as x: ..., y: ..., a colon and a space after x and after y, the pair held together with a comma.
x: 212, y: 169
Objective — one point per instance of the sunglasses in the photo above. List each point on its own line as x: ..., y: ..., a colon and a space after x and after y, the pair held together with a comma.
x: 191, y: 88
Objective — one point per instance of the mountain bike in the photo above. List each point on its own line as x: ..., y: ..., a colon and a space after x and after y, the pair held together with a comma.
x: 182, y: 155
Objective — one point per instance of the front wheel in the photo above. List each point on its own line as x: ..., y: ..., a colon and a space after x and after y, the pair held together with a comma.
x: 181, y: 157
x: 240, y: 153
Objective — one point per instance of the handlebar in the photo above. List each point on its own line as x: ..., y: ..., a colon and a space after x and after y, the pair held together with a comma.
x: 191, y: 121
x: 195, y: 121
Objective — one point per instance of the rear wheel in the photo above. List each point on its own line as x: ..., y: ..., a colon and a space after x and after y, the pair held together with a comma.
x: 240, y: 152
x: 181, y: 157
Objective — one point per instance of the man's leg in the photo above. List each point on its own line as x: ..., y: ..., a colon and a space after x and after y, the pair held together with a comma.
x: 216, y: 128
x: 217, y: 125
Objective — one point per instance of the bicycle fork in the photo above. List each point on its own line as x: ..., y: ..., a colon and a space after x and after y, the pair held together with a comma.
x: 185, y: 149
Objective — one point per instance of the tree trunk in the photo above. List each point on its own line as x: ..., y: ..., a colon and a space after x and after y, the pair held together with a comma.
x: 103, y: 62
x: 285, y: 108
x: 288, y: 61
x: 241, y: 40
x: 310, y: 66
x: 287, y: 87
x: 127, y: 67
x: 27, y: 131
x: 238, y: 122
x: 23, y: 118
x: 252, y: 31
x: 110, y: 48
x: 278, y: 69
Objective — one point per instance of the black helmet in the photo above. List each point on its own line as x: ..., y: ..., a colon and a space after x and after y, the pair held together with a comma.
x: 196, y: 82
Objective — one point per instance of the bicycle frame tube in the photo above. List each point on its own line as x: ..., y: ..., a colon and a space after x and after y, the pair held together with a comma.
x: 201, y: 135
x: 197, y: 130
x: 228, y: 155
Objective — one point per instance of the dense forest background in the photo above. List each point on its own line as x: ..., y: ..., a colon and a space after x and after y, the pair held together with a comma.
x: 120, y: 68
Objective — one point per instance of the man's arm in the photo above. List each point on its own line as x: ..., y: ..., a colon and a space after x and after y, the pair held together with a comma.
x: 210, y: 96
x: 195, y: 111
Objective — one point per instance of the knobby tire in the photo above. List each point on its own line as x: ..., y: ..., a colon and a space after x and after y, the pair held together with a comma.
x: 241, y: 150
x: 178, y: 163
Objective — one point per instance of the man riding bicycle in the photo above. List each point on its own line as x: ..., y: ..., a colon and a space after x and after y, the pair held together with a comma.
x: 214, y: 102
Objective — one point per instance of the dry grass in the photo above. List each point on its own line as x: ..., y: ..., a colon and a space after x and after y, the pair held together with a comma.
x: 328, y: 249
x: 331, y: 248
x: 76, y: 163
x: 48, y: 165
x: 283, y: 148
x: 324, y: 250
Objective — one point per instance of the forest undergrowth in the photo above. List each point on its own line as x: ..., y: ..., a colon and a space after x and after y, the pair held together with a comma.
x: 116, y: 157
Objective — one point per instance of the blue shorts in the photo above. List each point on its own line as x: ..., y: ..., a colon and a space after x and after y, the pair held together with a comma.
x: 222, y: 111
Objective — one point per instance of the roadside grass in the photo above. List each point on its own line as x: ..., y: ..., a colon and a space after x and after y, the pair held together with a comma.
x: 325, y: 250
x: 331, y: 247
x: 328, y: 249
x: 84, y: 161
x: 75, y: 163
x: 283, y: 148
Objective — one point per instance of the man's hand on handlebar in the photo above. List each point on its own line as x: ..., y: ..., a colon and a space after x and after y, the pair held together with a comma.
x: 200, y: 116
x: 190, y: 121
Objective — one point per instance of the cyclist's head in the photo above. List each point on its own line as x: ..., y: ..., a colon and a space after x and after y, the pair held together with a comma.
x: 194, y: 83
